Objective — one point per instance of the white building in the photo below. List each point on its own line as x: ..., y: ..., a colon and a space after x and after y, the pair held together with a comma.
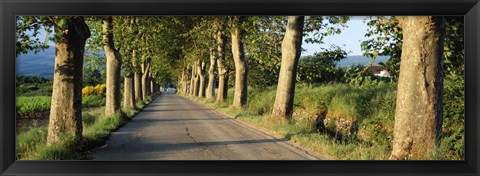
x: 383, y: 73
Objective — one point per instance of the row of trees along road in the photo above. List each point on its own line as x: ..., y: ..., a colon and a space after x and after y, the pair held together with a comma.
x: 148, y: 51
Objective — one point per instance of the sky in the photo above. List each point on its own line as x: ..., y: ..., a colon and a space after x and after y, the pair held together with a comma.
x: 349, y: 40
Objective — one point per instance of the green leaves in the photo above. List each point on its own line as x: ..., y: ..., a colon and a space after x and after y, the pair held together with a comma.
x: 27, y: 30
x: 321, y: 26
x: 62, y: 23
x: 384, y: 39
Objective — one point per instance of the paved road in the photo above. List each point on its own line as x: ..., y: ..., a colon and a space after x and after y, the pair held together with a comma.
x: 175, y: 128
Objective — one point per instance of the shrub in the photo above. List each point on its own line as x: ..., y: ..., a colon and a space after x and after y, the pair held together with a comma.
x: 453, y: 134
x: 93, y: 101
x: 100, y: 89
x: 87, y: 118
x: 33, y: 86
x: 88, y: 90
x: 260, y: 101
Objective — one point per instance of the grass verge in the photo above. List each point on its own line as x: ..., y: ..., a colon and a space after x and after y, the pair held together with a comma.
x: 367, y: 111
x: 32, y: 144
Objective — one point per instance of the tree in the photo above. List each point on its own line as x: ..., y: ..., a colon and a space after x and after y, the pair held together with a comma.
x: 196, y: 78
x: 183, y: 81
x: 27, y: 30
x: 127, y: 35
x: 152, y: 84
x: 263, y: 49
x: 198, y: 36
x: 221, y: 63
x: 210, y: 92
x: 192, y: 79
x: 66, y: 105
x: 241, y: 67
x: 138, y: 81
x: 94, y: 61
x: 146, y: 66
x: 291, y: 48
x: 114, y: 62
x: 418, y: 114
x: 386, y: 41
x: 129, y: 87
x: 201, y: 74
x: 320, y: 68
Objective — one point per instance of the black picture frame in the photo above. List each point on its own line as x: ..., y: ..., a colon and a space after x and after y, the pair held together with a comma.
x: 9, y: 9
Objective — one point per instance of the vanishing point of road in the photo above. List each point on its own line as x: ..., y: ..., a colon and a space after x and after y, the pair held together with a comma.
x: 174, y: 128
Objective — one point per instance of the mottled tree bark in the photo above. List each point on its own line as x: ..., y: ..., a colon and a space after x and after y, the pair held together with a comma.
x: 192, y: 80
x: 128, y: 93
x: 114, y: 62
x: 138, y: 82
x: 201, y: 74
x: 418, y: 114
x: 152, y: 85
x: 146, y: 71
x: 196, y: 79
x: 184, y: 83
x: 66, y: 103
x: 210, y: 92
x: 129, y: 87
x: 150, y: 82
x: 179, y: 83
x: 241, y: 67
x: 222, y: 70
x: 291, y: 48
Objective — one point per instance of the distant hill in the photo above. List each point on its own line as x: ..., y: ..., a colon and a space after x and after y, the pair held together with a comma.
x: 360, y: 60
x: 41, y: 63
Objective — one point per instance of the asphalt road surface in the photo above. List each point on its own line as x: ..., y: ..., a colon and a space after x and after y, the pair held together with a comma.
x: 175, y: 128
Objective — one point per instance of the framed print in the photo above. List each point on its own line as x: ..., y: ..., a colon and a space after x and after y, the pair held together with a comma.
x: 239, y: 87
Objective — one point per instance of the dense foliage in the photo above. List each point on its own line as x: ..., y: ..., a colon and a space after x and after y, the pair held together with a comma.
x: 320, y: 68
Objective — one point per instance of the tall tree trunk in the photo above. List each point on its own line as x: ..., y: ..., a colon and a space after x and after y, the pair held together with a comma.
x: 241, y: 67
x: 114, y: 63
x: 155, y: 88
x: 222, y: 70
x: 196, y: 80
x: 183, y: 83
x: 210, y: 93
x: 418, y: 114
x: 152, y: 84
x: 227, y: 76
x: 201, y: 73
x: 291, y: 48
x: 129, y: 87
x: 128, y: 93
x: 192, y: 80
x: 145, y: 70
x: 138, y: 82
x: 66, y: 104
x: 147, y: 86
x: 179, y: 82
